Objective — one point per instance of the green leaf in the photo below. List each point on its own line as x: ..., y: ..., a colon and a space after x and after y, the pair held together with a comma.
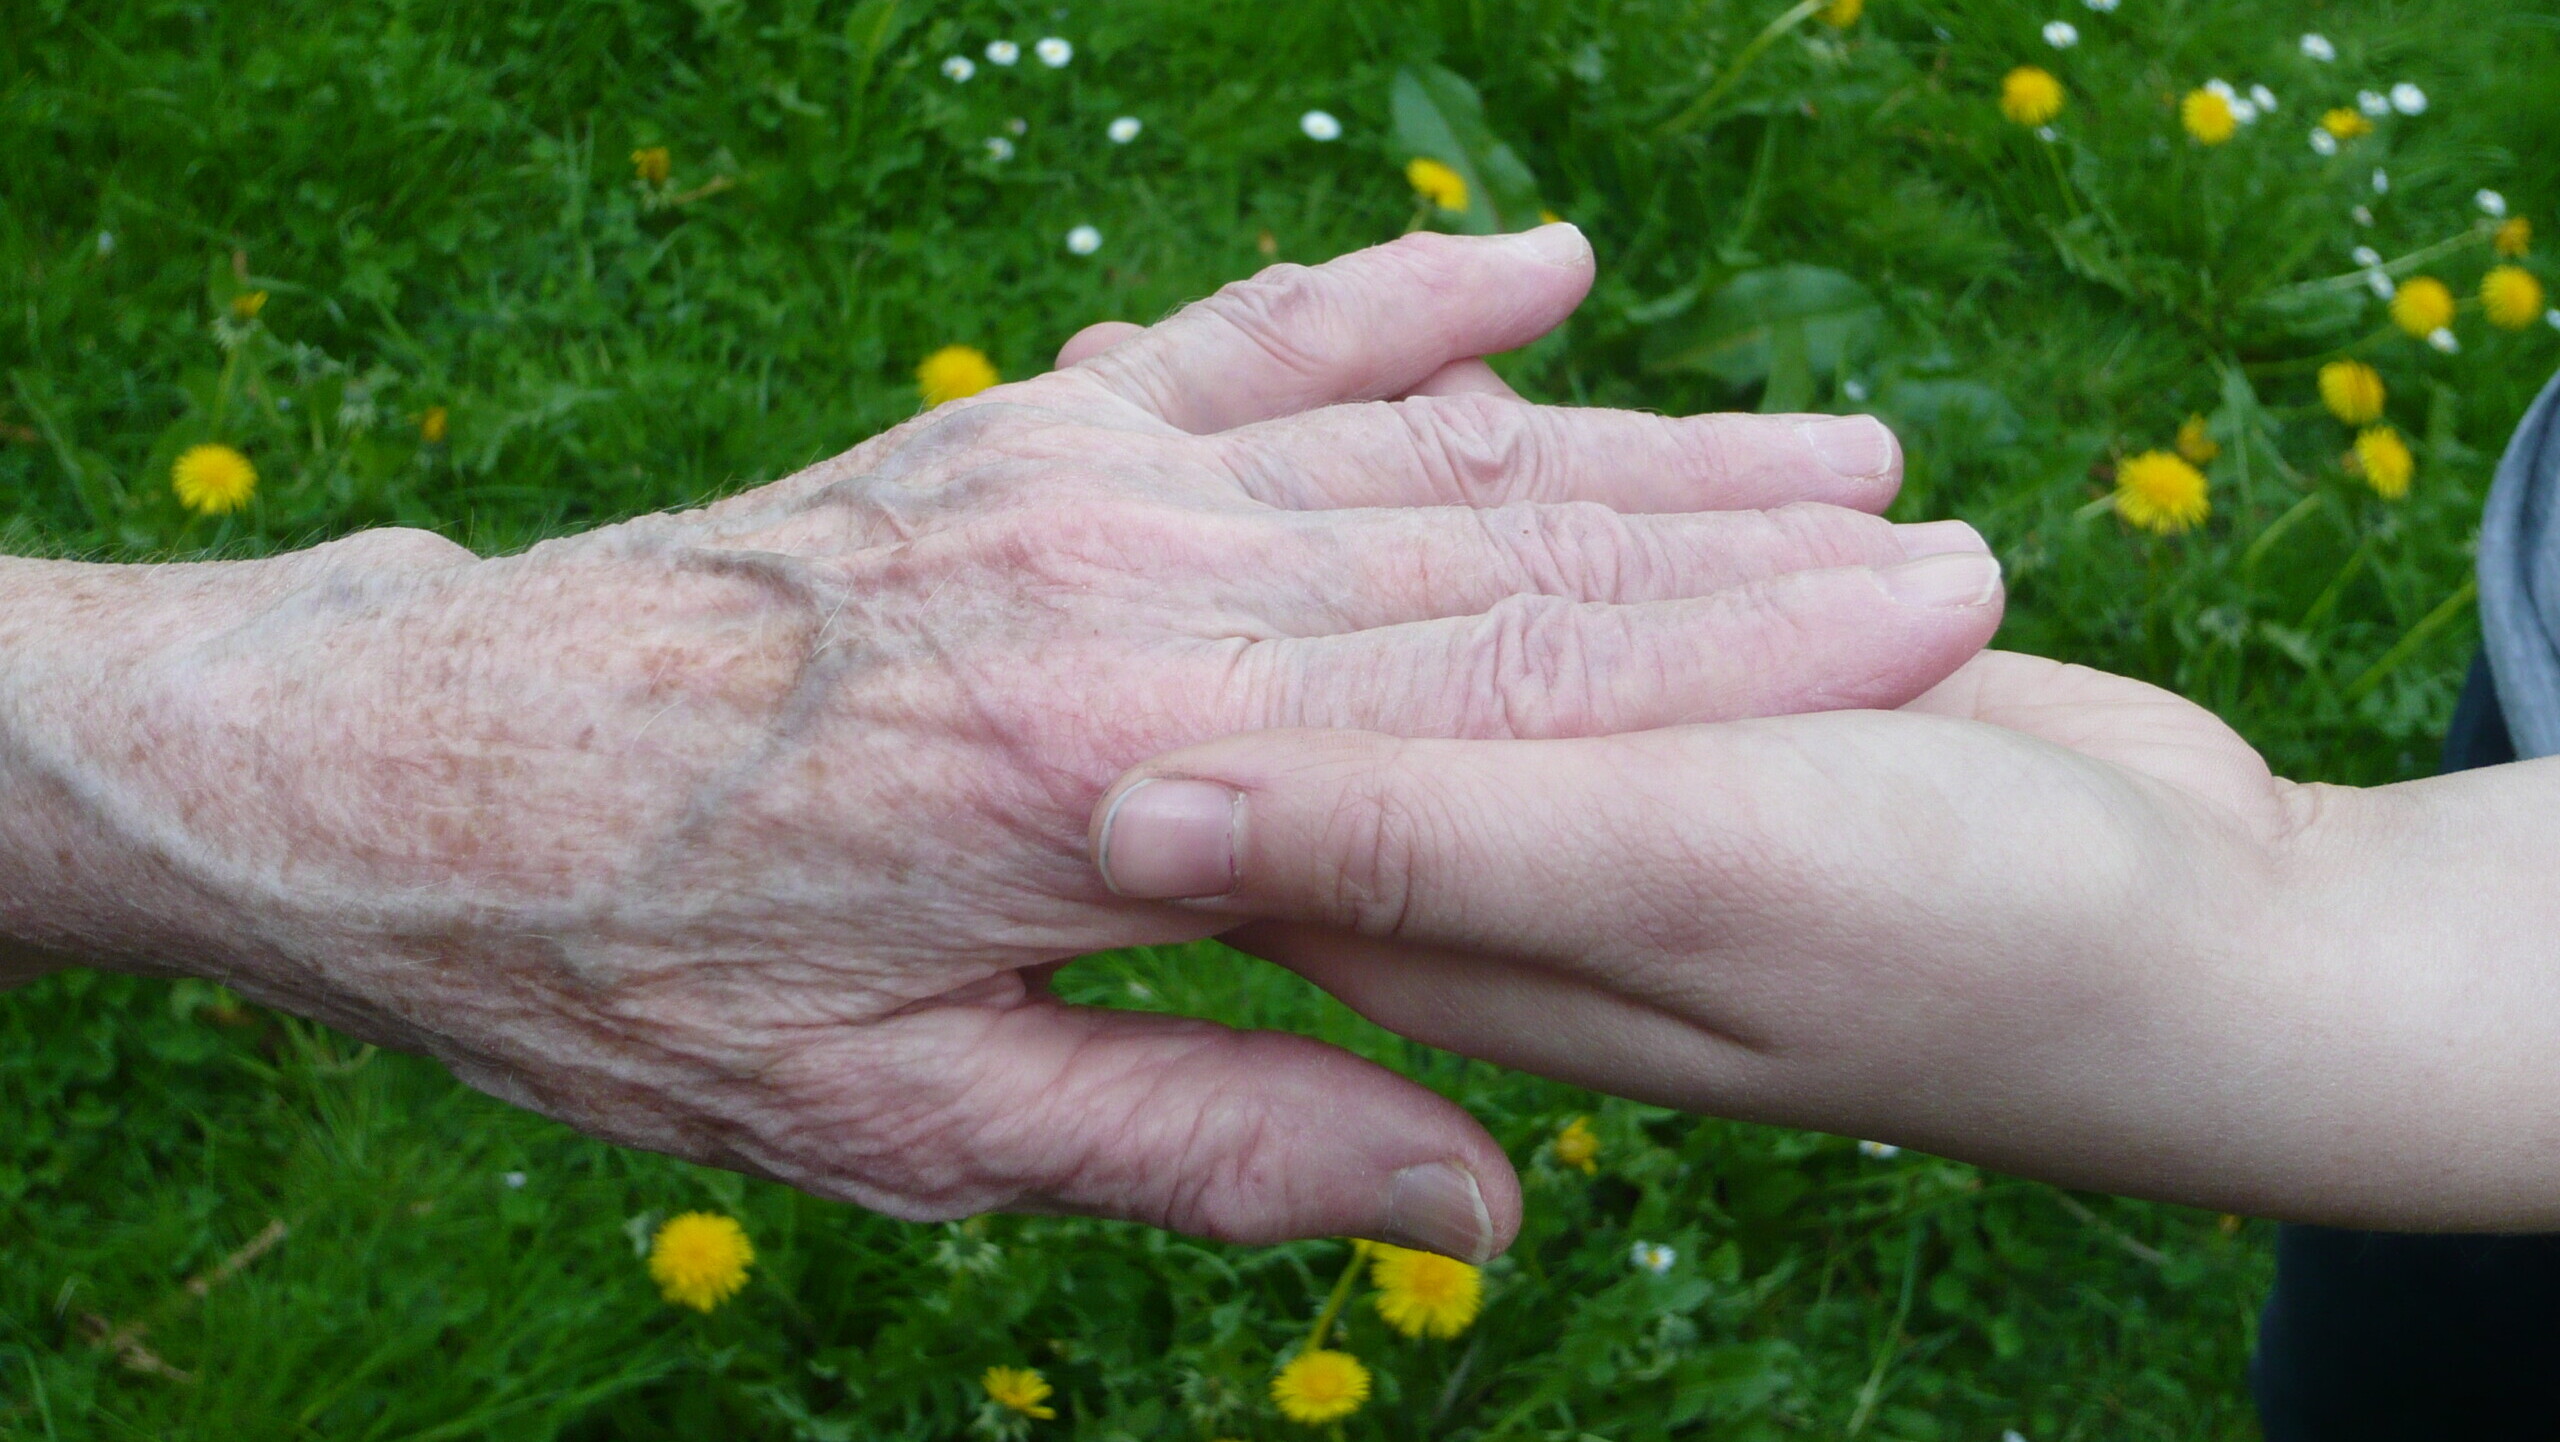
x: 1786, y: 325
x: 1438, y: 116
x: 1954, y: 411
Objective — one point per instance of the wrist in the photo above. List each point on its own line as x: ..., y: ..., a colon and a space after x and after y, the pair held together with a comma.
x: 84, y: 876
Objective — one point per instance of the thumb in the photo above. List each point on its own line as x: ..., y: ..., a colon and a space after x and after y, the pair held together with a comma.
x: 1488, y: 846
x: 1241, y: 1136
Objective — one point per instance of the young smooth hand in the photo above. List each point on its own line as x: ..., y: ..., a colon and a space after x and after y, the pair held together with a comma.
x: 2043, y: 918
x: 746, y: 833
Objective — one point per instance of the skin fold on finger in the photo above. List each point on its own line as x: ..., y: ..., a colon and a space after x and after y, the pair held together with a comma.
x: 1369, y: 325
x: 1542, y: 666
x: 1478, y: 449
x: 1391, y: 566
x: 1242, y: 1136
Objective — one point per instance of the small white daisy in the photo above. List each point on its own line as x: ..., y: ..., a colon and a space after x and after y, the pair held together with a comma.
x: 106, y: 243
x: 999, y: 148
x: 2361, y: 215
x: 1651, y: 1257
x: 1003, y: 52
x: 2491, y: 204
x: 2373, y: 103
x: 2317, y: 46
x: 2366, y: 255
x: 1083, y: 240
x: 1881, y: 1151
x: 1855, y: 390
x: 1123, y: 130
x: 1054, y: 52
x: 2322, y: 142
x: 2221, y: 87
x: 2047, y: 134
x: 1017, y: 126
x: 960, y: 68
x: 2381, y: 181
x: 514, y: 1181
x: 2061, y: 34
x: 1320, y: 126
x: 2103, y: 7
x: 2244, y: 111
x: 2444, y: 340
x: 2263, y: 98
x: 2382, y: 286
x: 2408, y: 99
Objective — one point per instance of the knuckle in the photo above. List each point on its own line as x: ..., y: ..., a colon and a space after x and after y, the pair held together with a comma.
x: 1475, y: 447
x: 1539, y: 668
x: 1375, y: 832
x: 1284, y: 311
x: 1573, y: 548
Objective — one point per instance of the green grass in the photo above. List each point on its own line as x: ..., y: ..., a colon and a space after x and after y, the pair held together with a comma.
x: 438, y: 200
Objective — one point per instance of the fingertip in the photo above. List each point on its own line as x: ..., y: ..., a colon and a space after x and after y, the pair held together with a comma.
x: 1468, y: 377
x: 1093, y: 340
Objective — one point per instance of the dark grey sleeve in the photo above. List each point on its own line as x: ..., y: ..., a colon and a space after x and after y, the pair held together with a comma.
x: 2520, y: 579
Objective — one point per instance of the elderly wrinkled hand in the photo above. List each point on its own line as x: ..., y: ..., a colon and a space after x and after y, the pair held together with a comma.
x: 745, y: 833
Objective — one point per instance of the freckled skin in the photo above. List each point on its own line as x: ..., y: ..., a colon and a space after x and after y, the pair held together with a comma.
x: 743, y: 833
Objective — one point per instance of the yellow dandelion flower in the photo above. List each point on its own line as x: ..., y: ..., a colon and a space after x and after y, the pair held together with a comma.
x: 2346, y: 123
x: 2423, y: 306
x: 1577, y: 1145
x: 954, y: 371
x: 1437, y: 183
x: 652, y: 164
x: 2385, y: 462
x: 2511, y: 296
x: 2197, y: 443
x: 248, y: 303
x: 1320, y: 1386
x: 2515, y: 238
x: 2208, y: 117
x: 1424, y: 1293
x: 213, y: 480
x: 1019, y: 1389
x: 2352, y: 391
x: 2030, y: 96
x: 2161, y: 493
x: 1841, y: 14
x: 700, y: 1259
x: 431, y: 426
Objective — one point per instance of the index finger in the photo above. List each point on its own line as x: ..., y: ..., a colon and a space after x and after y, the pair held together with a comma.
x: 1367, y: 326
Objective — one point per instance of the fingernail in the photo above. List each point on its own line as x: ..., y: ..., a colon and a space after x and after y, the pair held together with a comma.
x: 1954, y: 579
x: 1858, y: 447
x: 1168, y: 839
x: 1436, y: 1207
x: 1939, y: 538
x: 1560, y: 243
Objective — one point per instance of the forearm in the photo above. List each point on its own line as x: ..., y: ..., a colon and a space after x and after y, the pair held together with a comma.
x: 2410, y: 984
x: 81, y: 876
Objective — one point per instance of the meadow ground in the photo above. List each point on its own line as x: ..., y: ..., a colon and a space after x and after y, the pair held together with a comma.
x: 422, y: 264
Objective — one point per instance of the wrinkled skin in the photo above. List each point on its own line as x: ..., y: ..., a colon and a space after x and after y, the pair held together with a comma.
x: 2043, y: 918
x: 748, y: 833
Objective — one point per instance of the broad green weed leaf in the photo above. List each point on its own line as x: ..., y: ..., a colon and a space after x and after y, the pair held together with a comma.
x: 1438, y: 116
x: 1787, y: 325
